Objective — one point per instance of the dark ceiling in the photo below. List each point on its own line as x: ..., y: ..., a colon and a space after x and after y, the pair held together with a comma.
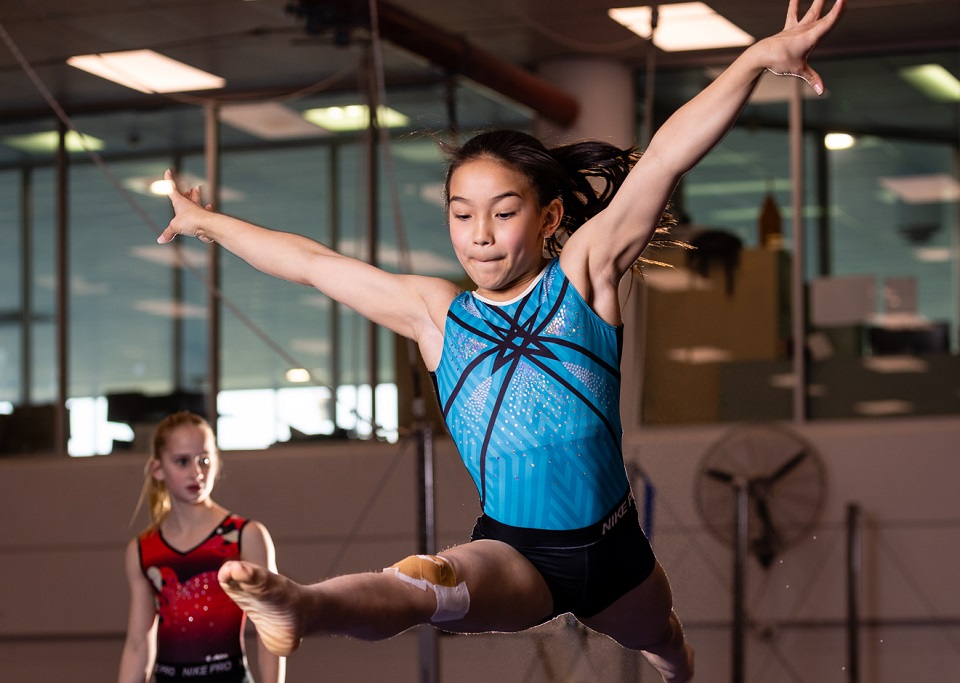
x: 284, y: 45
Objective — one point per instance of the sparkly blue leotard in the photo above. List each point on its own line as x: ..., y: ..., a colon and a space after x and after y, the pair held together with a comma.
x: 530, y: 392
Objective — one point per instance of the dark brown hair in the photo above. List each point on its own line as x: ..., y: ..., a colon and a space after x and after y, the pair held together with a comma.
x: 583, y: 175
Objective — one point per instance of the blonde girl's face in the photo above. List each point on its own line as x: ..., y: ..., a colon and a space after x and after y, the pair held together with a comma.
x: 497, y: 227
x: 188, y: 464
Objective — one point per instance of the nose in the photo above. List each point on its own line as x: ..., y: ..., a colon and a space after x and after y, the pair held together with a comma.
x: 482, y: 235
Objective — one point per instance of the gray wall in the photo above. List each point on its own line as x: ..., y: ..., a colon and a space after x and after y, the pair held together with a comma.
x: 342, y: 508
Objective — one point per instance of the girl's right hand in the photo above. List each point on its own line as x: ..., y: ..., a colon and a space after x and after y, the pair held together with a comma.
x: 189, y: 215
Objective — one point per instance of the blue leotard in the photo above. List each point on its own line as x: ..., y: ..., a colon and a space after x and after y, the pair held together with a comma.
x: 530, y: 392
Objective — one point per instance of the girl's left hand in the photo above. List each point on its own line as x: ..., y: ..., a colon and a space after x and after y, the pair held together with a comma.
x: 786, y: 53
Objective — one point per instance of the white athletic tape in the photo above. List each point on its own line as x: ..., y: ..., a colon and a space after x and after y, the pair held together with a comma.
x: 435, y: 573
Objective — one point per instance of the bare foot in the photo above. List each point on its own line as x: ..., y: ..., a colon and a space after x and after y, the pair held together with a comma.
x: 271, y: 602
x: 673, y: 672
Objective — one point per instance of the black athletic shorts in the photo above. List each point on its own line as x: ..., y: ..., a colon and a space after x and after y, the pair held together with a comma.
x: 230, y: 670
x: 586, y: 569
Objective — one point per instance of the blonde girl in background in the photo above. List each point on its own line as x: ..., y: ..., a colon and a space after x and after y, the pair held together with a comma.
x: 182, y: 626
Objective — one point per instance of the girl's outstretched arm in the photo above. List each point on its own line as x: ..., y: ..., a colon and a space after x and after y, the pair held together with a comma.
x: 617, y: 236
x: 410, y: 305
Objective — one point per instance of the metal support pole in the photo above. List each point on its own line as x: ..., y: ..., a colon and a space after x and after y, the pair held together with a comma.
x: 26, y: 288
x: 853, y: 593
x: 650, y: 86
x: 373, y: 222
x: 429, y: 647
x: 212, y: 161
x: 61, y: 428
x: 741, y: 548
x: 797, y: 279
x: 426, y: 532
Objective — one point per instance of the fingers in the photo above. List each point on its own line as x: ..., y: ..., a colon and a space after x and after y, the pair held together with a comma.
x: 167, y: 235
x: 826, y: 22
x: 185, y: 221
x: 835, y: 12
x: 813, y: 78
x: 791, y: 14
x: 813, y: 12
x: 812, y: 15
x: 801, y: 37
x: 193, y: 194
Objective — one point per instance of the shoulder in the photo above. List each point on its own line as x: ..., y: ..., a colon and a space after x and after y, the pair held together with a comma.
x: 430, y: 335
x: 438, y: 296
x: 131, y: 559
x: 256, y: 544
x: 133, y: 547
x: 251, y: 528
x: 596, y: 280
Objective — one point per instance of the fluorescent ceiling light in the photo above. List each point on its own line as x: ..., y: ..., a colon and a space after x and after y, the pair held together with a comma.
x: 297, y: 375
x: 171, y: 309
x: 835, y: 141
x: 788, y: 380
x: 269, y: 121
x: 924, y: 189
x: 354, y: 117
x: 155, y: 186
x: 146, y: 71
x: 883, y: 407
x: 47, y: 142
x: 698, y: 355
x: 683, y: 26
x: 162, y: 187
x: 933, y: 254
x: 932, y: 80
x: 896, y: 364
x: 171, y: 258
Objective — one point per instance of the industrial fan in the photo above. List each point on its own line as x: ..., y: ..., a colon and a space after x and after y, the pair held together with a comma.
x: 785, y: 485
x: 760, y: 489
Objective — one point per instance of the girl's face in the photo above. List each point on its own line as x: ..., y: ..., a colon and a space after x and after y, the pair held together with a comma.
x: 188, y: 464
x: 497, y: 228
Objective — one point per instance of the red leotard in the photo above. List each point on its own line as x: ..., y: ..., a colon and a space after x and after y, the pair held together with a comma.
x: 200, y: 632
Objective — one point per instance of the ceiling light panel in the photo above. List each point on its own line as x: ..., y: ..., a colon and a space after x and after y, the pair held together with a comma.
x: 683, y: 26
x: 146, y: 71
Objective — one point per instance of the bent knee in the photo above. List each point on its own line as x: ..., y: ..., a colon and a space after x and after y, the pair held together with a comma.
x: 437, y: 574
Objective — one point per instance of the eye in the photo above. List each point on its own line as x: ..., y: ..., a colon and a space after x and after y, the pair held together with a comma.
x: 205, y: 461
x: 461, y: 216
x: 181, y: 461
x: 504, y: 215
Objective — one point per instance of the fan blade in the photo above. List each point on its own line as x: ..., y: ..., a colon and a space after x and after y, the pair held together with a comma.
x: 720, y: 475
x: 786, y: 467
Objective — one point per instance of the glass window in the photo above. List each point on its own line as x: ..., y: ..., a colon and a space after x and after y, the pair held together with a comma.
x: 880, y: 255
x: 884, y: 304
